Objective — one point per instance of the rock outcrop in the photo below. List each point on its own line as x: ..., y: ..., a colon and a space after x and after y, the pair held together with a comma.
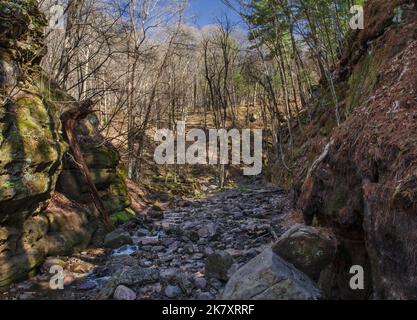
x: 35, y: 219
x: 365, y: 185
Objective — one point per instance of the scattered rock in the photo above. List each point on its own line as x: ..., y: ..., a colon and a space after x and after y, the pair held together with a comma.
x: 171, y: 252
x: 269, y: 277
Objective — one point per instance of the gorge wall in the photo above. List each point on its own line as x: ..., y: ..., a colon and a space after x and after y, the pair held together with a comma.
x: 45, y: 208
x: 364, y: 185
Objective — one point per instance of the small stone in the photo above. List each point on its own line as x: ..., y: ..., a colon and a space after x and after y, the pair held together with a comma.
x: 185, y: 283
x: 208, y: 231
x: 200, y: 283
x: 124, y: 293
x: 193, y: 235
x: 189, y: 249
x: 149, y: 241
x: 208, y: 251
x: 172, y: 291
x: 117, y: 238
x: 168, y: 274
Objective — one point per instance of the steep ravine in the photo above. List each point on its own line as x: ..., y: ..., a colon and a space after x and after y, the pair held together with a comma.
x: 359, y: 195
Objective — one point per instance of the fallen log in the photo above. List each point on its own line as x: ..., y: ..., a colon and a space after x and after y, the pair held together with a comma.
x: 69, y: 119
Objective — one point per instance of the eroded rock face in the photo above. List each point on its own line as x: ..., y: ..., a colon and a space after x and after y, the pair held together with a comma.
x: 32, y: 148
x: 268, y: 277
x: 30, y: 144
x: 365, y: 186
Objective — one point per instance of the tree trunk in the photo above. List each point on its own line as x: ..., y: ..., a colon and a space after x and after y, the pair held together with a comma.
x: 69, y: 120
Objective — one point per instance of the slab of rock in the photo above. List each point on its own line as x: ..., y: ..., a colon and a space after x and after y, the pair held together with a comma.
x: 269, y: 277
x: 309, y: 249
x: 218, y: 264
x: 124, y: 293
x: 117, y: 238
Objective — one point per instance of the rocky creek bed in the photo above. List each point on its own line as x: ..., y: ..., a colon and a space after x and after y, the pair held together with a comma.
x: 188, y: 252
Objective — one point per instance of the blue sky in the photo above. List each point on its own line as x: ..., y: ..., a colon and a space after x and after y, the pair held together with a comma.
x: 206, y: 11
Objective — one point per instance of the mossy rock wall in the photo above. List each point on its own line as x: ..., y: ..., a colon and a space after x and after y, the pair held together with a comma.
x: 35, y: 219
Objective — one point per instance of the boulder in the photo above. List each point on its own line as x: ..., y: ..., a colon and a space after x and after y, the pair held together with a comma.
x: 218, y: 264
x: 269, y: 277
x: 309, y: 249
x: 117, y: 238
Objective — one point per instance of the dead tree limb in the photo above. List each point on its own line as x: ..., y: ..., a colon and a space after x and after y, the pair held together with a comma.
x: 69, y: 118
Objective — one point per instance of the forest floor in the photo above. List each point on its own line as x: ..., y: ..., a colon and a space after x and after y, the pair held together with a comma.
x: 184, y: 251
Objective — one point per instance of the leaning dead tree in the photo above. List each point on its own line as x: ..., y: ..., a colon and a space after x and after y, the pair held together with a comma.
x: 79, y: 111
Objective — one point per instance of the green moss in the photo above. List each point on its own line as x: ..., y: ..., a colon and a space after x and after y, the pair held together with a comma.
x: 326, y: 130
x: 362, y: 82
x: 122, y: 216
x: 7, y: 185
x: 100, y: 156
